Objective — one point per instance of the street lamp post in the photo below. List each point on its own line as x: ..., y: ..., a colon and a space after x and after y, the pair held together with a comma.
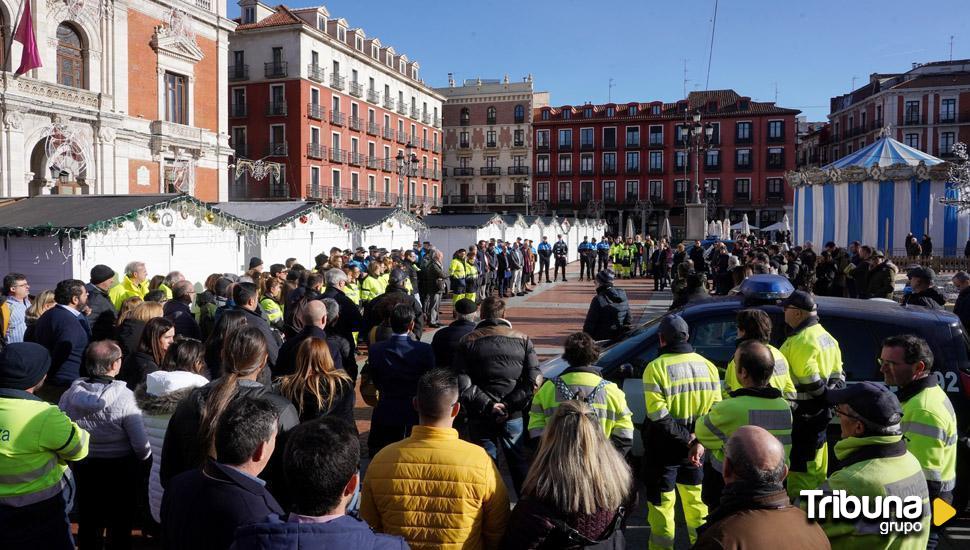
x: 405, y: 164
x: 699, y: 135
x: 527, y: 188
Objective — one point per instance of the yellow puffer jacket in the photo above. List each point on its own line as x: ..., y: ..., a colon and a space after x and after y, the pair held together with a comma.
x: 437, y: 492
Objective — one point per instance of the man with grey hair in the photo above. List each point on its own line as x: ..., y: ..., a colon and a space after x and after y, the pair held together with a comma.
x: 431, y: 284
x: 350, y: 320
x: 178, y: 310
x: 754, y: 496
x: 314, y: 326
x: 134, y: 283
x: 336, y: 342
x: 962, y: 307
x: 169, y: 283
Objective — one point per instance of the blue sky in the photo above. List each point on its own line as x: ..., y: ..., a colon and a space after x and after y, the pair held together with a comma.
x: 810, y: 50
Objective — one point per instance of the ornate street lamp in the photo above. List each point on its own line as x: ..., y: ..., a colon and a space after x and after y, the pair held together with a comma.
x: 406, y: 164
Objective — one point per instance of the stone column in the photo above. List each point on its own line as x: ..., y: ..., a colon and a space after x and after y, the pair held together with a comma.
x: 16, y: 181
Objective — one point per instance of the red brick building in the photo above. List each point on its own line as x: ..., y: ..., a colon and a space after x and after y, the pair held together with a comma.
x: 333, y: 108
x: 629, y: 159
x: 927, y: 107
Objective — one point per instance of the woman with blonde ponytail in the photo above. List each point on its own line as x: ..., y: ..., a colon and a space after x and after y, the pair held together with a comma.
x: 192, y: 429
x: 577, y: 490
x: 318, y: 389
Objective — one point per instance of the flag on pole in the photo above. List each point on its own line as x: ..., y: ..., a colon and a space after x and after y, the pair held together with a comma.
x: 30, y: 58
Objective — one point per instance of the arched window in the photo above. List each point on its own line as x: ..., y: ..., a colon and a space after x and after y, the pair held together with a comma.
x: 490, y: 115
x: 70, y: 57
x: 465, y: 116
x: 519, y: 114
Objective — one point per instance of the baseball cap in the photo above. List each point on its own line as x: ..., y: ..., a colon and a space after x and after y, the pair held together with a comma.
x: 674, y: 329
x: 878, y: 254
x: 605, y: 277
x: 397, y: 277
x: 920, y: 272
x: 872, y: 401
x: 800, y: 300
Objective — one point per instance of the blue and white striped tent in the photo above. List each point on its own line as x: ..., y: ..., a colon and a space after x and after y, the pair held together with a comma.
x: 878, y: 195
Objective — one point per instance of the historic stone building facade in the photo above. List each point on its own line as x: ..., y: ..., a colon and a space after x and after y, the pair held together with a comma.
x: 126, y: 99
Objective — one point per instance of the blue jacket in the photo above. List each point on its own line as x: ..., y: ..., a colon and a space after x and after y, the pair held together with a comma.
x: 395, y: 365
x: 65, y: 337
x: 545, y: 249
x: 343, y: 532
x: 584, y: 246
x: 603, y: 247
x: 202, y: 508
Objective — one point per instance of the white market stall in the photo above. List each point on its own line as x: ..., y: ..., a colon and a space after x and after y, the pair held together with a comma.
x: 449, y: 232
x: 533, y: 228
x: 515, y: 227
x: 293, y: 229
x: 50, y: 238
x: 389, y: 228
x: 877, y: 196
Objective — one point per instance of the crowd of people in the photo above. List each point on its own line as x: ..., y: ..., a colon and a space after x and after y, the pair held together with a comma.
x: 224, y: 417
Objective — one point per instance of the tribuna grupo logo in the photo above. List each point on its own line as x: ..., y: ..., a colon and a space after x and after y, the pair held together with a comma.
x: 892, y: 514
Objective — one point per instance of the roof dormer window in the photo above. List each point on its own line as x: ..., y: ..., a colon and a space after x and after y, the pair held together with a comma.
x: 359, y: 44
x: 610, y: 111
x: 249, y: 15
x: 374, y: 52
x: 341, y: 34
x: 401, y: 67
x: 588, y: 112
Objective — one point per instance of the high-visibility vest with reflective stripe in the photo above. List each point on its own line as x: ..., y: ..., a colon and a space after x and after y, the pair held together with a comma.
x: 273, y: 311
x: 457, y: 269
x: 682, y: 385
x: 899, y: 476
x: 470, y: 270
x: 609, y: 403
x: 930, y: 427
x: 370, y: 288
x: 713, y: 429
x: 351, y: 291
x: 36, y: 441
x: 814, y: 361
x: 780, y: 379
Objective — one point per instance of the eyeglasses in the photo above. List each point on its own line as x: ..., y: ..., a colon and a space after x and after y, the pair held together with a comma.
x: 848, y: 415
x: 887, y: 363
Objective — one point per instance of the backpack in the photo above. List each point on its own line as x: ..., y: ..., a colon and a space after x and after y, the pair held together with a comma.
x: 4, y: 319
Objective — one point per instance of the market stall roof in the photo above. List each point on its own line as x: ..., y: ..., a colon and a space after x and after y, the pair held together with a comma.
x: 369, y: 217
x: 265, y: 212
x: 511, y: 219
x: 46, y: 214
x: 883, y: 152
x: 460, y: 220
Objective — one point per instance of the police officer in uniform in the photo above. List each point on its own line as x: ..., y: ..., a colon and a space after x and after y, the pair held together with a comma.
x: 559, y: 251
x: 545, y: 252
x: 929, y: 423
x: 602, y: 254
x: 36, y: 442
x: 873, y: 462
x: 582, y: 381
x: 584, y: 267
x: 754, y: 403
x: 815, y: 363
x: 679, y: 387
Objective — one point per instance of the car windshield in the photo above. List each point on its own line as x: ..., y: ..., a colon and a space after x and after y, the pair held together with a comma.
x: 615, y: 355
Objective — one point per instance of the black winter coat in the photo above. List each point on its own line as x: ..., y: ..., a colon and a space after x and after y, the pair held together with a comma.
x: 373, y: 311
x: 286, y: 360
x: 496, y: 364
x: 180, y: 314
x: 929, y: 298
x: 350, y: 320
x: 608, y: 317
x: 962, y: 308
x: 431, y: 279
x: 128, y: 336
x: 445, y: 342
x: 255, y: 319
x: 103, y: 314
x: 136, y: 367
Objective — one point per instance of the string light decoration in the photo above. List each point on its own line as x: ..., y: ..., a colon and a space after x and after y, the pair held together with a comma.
x: 65, y: 147
x: 958, y: 187
x: 181, y: 174
x: 258, y: 169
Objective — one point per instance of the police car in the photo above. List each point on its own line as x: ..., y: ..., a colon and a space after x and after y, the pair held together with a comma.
x: 859, y: 326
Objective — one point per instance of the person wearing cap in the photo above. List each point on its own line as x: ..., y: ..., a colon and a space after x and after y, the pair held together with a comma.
x: 873, y: 462
x: 924, y: 292
x: 755, y: 403
x: 583, y: 381
x: 38, y: 442
x: 471, y: 274
x: 815, y: 363
x: 603, y: 253
x: 584, y: 269
x: 929, y: 423
x: 431, y: 285
x: 134, y: 283
x: 880, y: 277
x: 679, y: 387
x: 559, y: 252
x: 102, y: 316
x: 545, y: 252
x: 446, y: 340
x: 608, y: 317
x: 456, y: 274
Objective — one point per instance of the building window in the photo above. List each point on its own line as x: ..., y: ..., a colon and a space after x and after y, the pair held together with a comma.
x: 775, y: 187
x: 912, y: 140
x: 680, y: 160
x: 518, y: 139
x: 542, y: 138
x: 490, y: 115
x: 656, y: 190
x: 490, y: 140
x: 776, y: 129
x: 742, y: 189
x: 544, y: 115
x: 586, y: 138
x: 588, y: 112
x: 742, y: 131
x: 743, y: 158
x: 655, y: 110
x: 70, y: 57
x: 466, y: 117
x: 680, y: 188
x: 609, y: 138
x: 542, y: 191
x: 948, y: 110
x: 565, y: 139
x: 585, y: 191
x: 567, y: 114
x: 249, y: 15
x: 632, y: 136
x: 610, y: 111
x: 712, y: 159
x: 565, y: 164
x: 631, y: 110
x: 609, y: 162
x: 633, y: 161
x: 656, y: 161
x: 519, y: 114
x: 776, y: 158
x: 586, y: 163
x: 632, y: 190
x: 542, y: 164
x: 946, y: 143
x: 565, y: 191
x: 656, y: 135
x: 463, y: 140
x: 609, y: 191
x: 912, y: 112
x: 176, y: 98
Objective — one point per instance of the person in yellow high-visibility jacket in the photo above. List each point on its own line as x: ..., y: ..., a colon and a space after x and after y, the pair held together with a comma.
x: 134, y: 283
x: 372, y: 286
x: 456, y: 275
x: 755, y: 324
x: 471, y: 274
x: 37, y: 440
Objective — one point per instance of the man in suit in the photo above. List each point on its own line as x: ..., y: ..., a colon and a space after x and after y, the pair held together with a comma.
x: 395, y: 365
x: 178, y: 310
x: 203, y: 507
x: 314, y: 326
x: 64, y: 331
